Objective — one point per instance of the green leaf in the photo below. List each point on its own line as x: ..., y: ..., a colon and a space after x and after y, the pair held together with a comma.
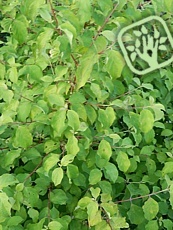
x: 104, y: 150
x: 167, y: 224
x: 57, y: 176
x: 73, y: 119
x: 150, y: 209
x: 111, y: 172
x: 147, y: 150
x: 146, y: 120
x: 72, y: 146
x: 45, y: 14
x: 23, y: 137
x: 69, y: 30
x: 95, y: 176
x: 94, y: 216
x: 84, y: 11
x: 95, y: 192
x: 33, y: 214
x: 91, y: 113
x: 33, y: 72
x: 77, y: 98
x: 166, y: 132
x: 55, y: 99
x: 85, y: 68
x: 67, y: 160
x: 115, y: 137
x: 168, y: 4
x: 50, y: 145
x: 10, y: 157
x: 115, y: 63
x: 167, y: 168
x: 44, y: 38
x: 58, y: 196
x: 14, y: 221
x: 6, y: 180
x: 153, y: 224
x: 111, y: 116
x: 37, y: 226
x: 31, y: 8
x: 24, y: 110
x: 60, y: 72
x: 13, y: 74
x: 20, y: 32
x: 102, y: 225
x: 19, y: 187
x: 58, y: 122
x: 105, y: 6
x: 136, y: 219
x: 109, y: 35
x: 2, y: 71
x: 50, y: 161
x: 123, y: 161
x: 72, y: 171
x: 84, y: 202
x: 5, y: 207
x: 110, y: 208
x: 55, y: 225
x: 119, y: 222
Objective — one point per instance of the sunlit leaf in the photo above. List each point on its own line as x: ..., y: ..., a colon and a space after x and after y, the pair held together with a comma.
x: 146, y: 120
x: 150, y: 209
x: 104, y: 150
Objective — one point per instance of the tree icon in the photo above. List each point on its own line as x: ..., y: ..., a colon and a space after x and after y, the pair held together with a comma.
x: 147, y: 46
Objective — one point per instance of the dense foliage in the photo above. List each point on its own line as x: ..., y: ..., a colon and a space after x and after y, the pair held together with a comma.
x: 84, y: 142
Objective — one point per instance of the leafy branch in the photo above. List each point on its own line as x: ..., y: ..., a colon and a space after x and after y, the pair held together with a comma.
x: 35, y: 169
x: 141, y: 197
x: 54, y: 17
x: 105, y: 22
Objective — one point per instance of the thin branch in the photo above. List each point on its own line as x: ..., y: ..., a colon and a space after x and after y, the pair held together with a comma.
x: 39, y: 164
x: 75, y: 61
x: 107, y: 218
x: 141, y: 197
x: 26, y: 98
x: 21, y: 123
x: 128, y: 108
x: 4, y: 148
x: 128, y: 92
x: 54, y: 17
x: 105, y: 22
